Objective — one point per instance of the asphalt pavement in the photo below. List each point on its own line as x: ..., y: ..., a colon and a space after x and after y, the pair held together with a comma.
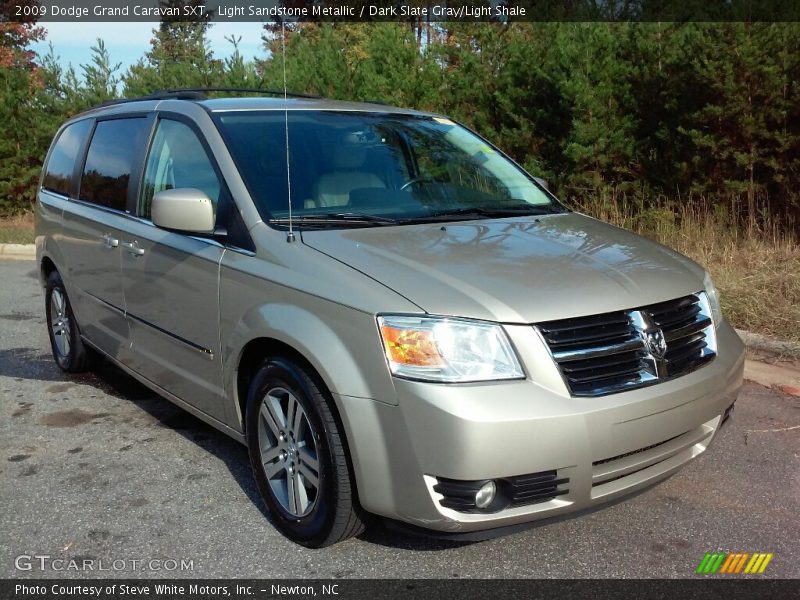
x: 97, y: 468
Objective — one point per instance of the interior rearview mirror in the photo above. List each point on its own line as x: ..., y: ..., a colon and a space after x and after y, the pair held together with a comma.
x: 183, y: 209
x: 542, y: 183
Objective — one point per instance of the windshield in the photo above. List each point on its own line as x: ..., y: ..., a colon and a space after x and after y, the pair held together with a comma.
x: 376, y: 169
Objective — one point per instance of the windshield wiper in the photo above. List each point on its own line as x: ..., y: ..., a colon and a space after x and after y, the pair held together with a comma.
x: 490, y: 212
x: 351, y: 218
x: 499, y: 211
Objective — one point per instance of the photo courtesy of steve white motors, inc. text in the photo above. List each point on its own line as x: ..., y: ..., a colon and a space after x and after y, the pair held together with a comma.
x: 172, y: 590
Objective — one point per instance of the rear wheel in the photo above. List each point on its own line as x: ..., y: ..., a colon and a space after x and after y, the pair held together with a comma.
x: 69, y: 351
x: 298, y: 456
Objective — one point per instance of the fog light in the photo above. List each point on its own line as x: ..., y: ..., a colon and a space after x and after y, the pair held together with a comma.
x: 485, y: 495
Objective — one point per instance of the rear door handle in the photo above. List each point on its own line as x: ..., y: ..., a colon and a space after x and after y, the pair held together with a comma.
x: 133, y: 249
x: 110, y: 242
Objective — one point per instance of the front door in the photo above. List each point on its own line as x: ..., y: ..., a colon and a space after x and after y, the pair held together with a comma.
x: 171, y: 280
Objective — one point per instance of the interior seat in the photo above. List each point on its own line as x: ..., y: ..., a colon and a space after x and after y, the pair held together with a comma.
x: 333, y: 189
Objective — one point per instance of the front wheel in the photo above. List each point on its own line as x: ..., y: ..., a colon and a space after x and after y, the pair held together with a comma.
x: 298, y: 456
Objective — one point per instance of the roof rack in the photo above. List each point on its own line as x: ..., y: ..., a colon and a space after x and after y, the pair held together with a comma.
x: 200, y: 94
x: 265, y: 91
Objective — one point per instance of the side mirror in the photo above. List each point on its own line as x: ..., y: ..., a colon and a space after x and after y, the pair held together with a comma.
x: 542, y: 183
x: 183, y: 209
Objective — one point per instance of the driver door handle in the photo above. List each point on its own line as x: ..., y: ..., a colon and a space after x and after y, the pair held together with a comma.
x: 133, y: 249
x: 110, y: 241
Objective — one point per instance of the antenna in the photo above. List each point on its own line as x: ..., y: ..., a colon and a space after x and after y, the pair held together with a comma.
x: 290, y: 235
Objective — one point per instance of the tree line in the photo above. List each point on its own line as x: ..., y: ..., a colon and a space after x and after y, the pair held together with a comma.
x: 651, y: 114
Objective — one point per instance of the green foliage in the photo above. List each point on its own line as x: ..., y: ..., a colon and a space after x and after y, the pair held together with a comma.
x: 604, y: 111
x: 100, y: 80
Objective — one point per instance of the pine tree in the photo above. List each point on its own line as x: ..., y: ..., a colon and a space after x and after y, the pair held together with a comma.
x: 236, y: 71
x: 744, y: 136
x: 23, y: 127
x: 179, y: 56
x: 100, y: 79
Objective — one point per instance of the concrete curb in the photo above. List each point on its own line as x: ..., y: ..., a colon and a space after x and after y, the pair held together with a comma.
x: 776, y: 376
x: 756, y: 341
x: 18, y: 251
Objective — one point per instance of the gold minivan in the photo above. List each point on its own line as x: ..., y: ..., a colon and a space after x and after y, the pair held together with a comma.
x: 394, y: 316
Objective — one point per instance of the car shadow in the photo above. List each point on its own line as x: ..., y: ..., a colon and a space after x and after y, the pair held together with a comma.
x: 114, y: 381
x: 29, y: 363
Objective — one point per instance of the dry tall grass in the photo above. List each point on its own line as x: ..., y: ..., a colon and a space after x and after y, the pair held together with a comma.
x: 755, y: 268
x: 17, y: 229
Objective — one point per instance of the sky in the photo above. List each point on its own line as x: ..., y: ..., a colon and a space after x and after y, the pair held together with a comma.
x: 127, y: 42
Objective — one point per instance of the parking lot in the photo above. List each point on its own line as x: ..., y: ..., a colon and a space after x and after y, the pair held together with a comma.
x: 97, y: 467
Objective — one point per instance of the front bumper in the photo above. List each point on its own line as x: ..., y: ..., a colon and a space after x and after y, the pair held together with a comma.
x: 607, y: 447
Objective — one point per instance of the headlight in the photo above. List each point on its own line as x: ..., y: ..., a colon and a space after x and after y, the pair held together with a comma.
x: 447, y: 350
x: 713, y: 299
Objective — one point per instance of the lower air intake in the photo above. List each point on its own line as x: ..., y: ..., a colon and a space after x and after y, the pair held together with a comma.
x: 520, y: 490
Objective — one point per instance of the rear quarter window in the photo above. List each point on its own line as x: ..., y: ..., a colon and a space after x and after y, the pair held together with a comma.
x: 112, y: 153
x: 61, y: 164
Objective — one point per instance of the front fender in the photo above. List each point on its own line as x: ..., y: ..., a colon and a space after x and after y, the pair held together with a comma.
x: 342, y: 344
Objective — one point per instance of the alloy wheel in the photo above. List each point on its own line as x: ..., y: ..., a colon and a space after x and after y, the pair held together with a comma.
x: 59, y: 322
x: 288, y: 450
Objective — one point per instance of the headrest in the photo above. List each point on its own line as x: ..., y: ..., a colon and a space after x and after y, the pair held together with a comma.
x: 349, y: 156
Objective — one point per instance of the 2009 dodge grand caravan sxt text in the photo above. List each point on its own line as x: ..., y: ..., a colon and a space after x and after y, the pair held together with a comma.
x: 427, y: 334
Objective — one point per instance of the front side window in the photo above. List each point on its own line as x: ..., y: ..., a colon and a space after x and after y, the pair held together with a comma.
x: 177, y: 159
x: 396, y: 167
x: 58, y: 173
x: 109, y: 162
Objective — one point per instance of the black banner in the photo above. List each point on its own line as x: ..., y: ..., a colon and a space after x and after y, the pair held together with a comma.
x: 532, y: 589
x: 433, y: 11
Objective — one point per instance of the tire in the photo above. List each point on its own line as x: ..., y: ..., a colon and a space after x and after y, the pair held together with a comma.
x: 69, y: 351
x: 304, y: 477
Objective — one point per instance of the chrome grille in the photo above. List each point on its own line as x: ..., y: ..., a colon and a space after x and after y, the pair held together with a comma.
x: 611, y: 352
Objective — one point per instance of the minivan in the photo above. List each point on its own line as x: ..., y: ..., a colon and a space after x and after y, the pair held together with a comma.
x: 393, y: 316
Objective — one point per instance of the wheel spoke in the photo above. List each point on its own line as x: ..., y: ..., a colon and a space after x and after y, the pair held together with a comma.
x: 309, y: 476
x: 291, y: 412
x: 274, y: 400
x: 269, y: 417
x: 59, y: 302
x: 66, y: 341
x: 61, y: 337
x: 268, y: 455
x: 292, y: 495
x: 300, y: 495
x: 307, y: 458
x: 297, y: 422
x: 272, y: 469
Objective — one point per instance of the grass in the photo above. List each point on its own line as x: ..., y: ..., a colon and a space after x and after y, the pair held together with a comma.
x: 756, y: 269
x: 17, y: 229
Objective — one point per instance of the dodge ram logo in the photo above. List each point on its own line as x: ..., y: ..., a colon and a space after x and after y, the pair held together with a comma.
x: 656, y: 344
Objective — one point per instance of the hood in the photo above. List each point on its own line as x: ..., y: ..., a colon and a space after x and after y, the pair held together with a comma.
x: 514, y: 270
